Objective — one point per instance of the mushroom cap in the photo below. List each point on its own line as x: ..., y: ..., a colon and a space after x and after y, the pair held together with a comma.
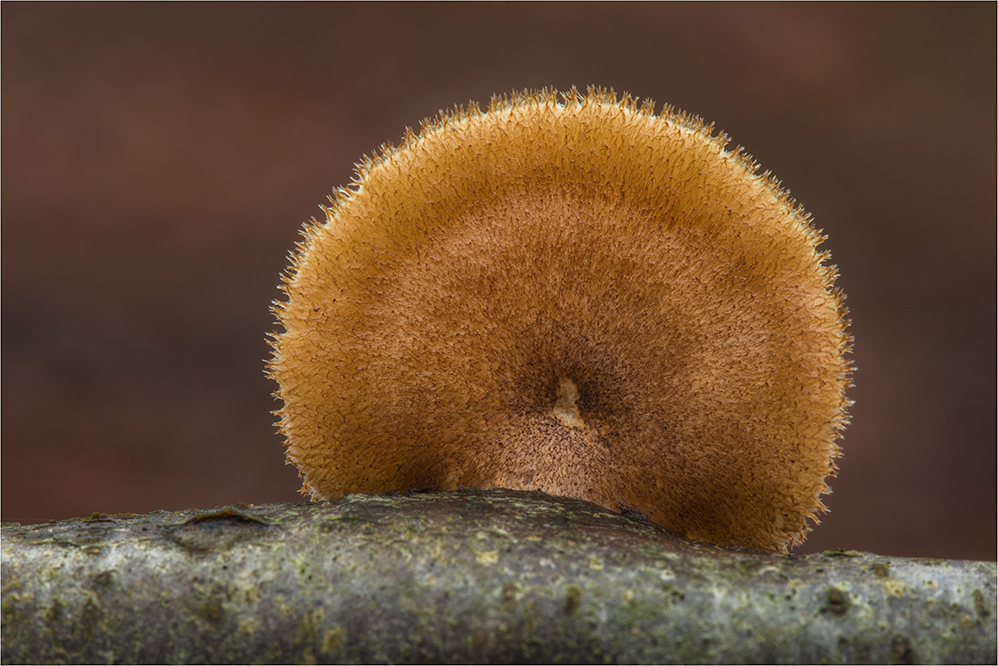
x: 570, y: 293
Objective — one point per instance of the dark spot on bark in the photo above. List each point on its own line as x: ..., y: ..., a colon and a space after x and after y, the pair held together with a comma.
x: 901, y: 651
x: 214, y: 531
x: 572, y: 599
x: 837, y: 601
x: 980, y: 605
x: 104, y: 580
x: 880, y: 570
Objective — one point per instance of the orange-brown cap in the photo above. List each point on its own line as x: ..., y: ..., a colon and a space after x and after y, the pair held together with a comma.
x: 568, y: 292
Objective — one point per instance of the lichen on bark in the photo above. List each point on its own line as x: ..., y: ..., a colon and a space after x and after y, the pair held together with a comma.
x: 465, y: 576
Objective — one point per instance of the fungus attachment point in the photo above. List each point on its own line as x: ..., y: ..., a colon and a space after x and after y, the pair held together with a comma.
x: 575, y: 294
x: 565, y: 409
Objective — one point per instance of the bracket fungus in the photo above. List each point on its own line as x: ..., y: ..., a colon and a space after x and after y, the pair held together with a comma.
x: 569, y: 292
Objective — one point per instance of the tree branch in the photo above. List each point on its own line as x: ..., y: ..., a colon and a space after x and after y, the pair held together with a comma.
x: 465, y: 576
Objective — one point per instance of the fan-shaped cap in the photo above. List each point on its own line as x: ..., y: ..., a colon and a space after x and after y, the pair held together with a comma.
x: 573, y: 294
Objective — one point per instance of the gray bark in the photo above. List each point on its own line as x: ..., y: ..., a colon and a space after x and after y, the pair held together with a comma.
x: 465, y: 576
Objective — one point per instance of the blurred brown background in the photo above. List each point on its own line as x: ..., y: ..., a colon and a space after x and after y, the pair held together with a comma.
x: 159, y: 160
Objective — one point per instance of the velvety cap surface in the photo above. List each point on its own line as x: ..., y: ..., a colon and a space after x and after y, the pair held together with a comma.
x: 574, y: 294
